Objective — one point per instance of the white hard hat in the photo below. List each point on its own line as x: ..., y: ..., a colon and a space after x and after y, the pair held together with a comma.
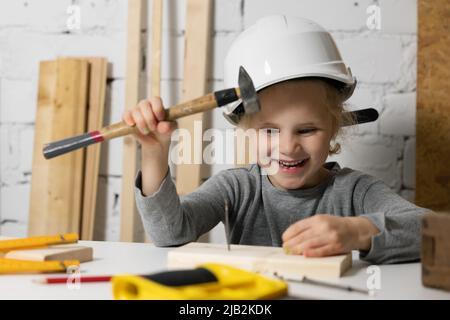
x: 278, y: 48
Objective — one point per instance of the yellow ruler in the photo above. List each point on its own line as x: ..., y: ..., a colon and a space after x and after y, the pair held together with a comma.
x: 10, y: 266
x: 37, y: 242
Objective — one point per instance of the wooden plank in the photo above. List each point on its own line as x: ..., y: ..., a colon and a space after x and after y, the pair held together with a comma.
x: 259, y: 259
x: 156, y: 41
x: 433, y: 106
x: 196, y: 63
x: 129, y: 217
x: 56, y: 185
x: 54, y: 253
x: 96, y: 106
x: 155, y: 66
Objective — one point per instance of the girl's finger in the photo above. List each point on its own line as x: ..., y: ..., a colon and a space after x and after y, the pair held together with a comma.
x: 158, y: 108
x: 296, y: 228
x: 128, y: 118
x: 308, y: 245
x: 166, y: 127
x: 323, y: 251
x: 140, y: 122
x: 148, y: 115
x: 301, y: 238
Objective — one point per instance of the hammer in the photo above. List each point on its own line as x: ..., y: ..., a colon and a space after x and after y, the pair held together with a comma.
x: 246, y: 92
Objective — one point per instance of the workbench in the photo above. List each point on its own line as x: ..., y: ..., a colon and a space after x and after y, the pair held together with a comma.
x: 401, y: 281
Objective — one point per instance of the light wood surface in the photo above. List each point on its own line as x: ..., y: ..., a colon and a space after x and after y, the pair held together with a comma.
x: 156, y: 60
x: 56, y: 184
x: 196, y: 63
x: 259, y: 259
x: 156, y: 41
x: 129, y: 217
x: 433, y: 106
x: 54, y: 253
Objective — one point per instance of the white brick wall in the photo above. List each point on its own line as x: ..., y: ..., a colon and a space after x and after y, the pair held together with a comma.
x: 373, y: 59
x: 333, y: 15
x: 17, y: 101
x: 384, y: 61
x: 399, y: 117
x: 399, y: 16
x: 374, y: 155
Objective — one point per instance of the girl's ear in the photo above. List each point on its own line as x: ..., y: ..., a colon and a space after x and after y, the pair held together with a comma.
x: 334, y: 149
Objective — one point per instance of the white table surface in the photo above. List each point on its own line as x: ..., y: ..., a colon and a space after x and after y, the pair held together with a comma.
x: 401, y: 281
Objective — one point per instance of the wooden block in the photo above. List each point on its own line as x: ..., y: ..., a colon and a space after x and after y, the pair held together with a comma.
x: 130, y: 220
x: 54, y: 253
x: 436, y: 250
x: 433, y: 106
x: 96, y: 106
x: 259, y: 259
x: 57, y: 184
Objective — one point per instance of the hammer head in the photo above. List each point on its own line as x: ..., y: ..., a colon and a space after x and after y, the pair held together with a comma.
x: 249, y: 96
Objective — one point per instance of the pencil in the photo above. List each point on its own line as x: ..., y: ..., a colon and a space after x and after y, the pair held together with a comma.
x: 83, y: 279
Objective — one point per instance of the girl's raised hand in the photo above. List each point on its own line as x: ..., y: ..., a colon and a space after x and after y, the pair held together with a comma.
x: 148, y: 116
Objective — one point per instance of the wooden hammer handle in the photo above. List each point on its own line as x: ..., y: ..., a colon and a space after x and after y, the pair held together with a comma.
x: 119, y: 129
x: 201, y: 104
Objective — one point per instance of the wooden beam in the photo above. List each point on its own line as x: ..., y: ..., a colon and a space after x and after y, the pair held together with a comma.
x: 96, y: 107
x: 156, y: 41
x: 57, y: 184
x: 259, y: 259
x: 129, y: 216
x: 196, y: 67
x: 155, y: 65
x: 433, y: 106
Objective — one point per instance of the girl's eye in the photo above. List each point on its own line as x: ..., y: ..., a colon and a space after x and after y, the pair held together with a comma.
x: 306, y: 131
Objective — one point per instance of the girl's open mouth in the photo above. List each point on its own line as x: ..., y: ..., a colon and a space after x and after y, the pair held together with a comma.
x: 292, y: 166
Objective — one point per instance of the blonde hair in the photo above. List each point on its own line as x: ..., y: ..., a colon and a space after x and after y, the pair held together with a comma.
x: 332, y: 99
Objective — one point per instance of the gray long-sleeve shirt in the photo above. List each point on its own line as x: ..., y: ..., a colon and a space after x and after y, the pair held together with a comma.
x: 260, y: 213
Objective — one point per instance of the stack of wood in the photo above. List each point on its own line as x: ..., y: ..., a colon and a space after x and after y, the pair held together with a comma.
x: 71, y: 100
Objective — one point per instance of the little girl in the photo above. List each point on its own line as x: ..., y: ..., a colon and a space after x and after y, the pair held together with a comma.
x: 308, y: 206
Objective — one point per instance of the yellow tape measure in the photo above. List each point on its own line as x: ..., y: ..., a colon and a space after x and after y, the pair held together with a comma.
x: 37, y: 242
x: 11, y: 266
x: 209, y: 281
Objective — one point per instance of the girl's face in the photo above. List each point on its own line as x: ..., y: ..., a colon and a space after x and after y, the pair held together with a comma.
x: 295, y: 111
